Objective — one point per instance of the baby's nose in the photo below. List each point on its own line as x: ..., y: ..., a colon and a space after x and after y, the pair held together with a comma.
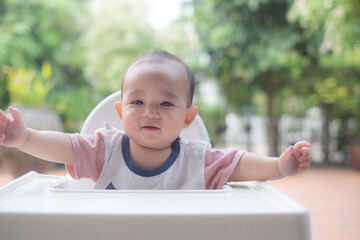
x: 151, y: 112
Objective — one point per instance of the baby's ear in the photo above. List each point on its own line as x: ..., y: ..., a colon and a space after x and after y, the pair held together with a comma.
x: 190, y: 115
x: 118, y: 107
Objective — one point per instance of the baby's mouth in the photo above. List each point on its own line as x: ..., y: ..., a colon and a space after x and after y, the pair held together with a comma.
x: 150, y: 127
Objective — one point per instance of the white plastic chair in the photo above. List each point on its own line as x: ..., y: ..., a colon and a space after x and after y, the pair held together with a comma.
x: 105, y: 111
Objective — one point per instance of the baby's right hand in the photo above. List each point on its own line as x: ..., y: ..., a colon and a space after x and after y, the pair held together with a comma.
x: 13, y: 132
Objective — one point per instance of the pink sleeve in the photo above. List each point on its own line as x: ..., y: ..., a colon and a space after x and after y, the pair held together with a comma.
x: 219, y: 166
x: 89, y: 154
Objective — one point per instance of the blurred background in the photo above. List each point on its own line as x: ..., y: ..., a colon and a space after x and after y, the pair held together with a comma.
x: 269, y: 73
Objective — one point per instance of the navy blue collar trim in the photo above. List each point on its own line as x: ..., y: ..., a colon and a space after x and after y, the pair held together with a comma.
x: 149, y: 173
x: 110, y: 187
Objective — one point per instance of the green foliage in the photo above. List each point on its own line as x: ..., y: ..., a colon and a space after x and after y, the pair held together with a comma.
x: 28, y: 86
x: 248, y: 40
x: 36, y: 29
x: 39, y: 52
x: 335, y: 74
x: 335, y: 22
x: 298, y: 43
x: 73, y: 105
x: 285, y: 56
x: 68, y: 55
x: 254, y: 51
x: 118, y: 33
x: 214, y: 120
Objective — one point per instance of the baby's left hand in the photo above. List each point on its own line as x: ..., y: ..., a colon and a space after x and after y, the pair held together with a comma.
x: 295, y: 159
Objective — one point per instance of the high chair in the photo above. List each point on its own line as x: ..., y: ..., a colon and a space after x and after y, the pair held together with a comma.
x: 37, y: 206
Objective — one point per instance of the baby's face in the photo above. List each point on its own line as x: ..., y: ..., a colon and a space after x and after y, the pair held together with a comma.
x: 154, y: 104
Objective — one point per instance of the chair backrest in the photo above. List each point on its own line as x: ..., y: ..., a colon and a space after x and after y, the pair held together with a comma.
x: 105, y: 111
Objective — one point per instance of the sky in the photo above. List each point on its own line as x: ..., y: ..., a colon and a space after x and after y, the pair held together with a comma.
x: 163, y: 12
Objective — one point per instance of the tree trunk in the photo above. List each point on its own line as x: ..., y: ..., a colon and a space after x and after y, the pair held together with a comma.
x: 272, y: 133
x: 327, y: 116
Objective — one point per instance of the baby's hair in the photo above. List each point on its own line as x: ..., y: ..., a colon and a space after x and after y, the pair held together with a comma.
x: 165, y: 57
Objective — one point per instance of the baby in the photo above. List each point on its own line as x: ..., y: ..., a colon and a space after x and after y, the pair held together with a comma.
x: 156, y: 104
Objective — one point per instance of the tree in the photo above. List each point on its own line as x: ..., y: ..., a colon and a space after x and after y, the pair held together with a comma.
x: 39, y: 56
x: 253, y: 49
x: 332, y: 32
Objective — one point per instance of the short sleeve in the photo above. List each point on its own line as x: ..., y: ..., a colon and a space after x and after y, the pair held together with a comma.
x: 89, y: 154
x: 219, y: 166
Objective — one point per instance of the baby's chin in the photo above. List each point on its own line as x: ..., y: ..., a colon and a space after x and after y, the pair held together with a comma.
x: 153, y: 145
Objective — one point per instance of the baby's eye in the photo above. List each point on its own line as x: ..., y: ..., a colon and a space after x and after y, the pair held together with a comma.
x: 137, y: 102
x: 166, y: 104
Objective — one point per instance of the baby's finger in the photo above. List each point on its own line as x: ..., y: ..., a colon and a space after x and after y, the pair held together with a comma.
x: 302, y: 144
x: 303, y: 168
x: 305, y: 162
x: 304, y: 165
x: 305, y: 154
x: 15, y: 113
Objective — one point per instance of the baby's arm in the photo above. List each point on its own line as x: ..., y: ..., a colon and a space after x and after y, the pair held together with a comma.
x: 254, y: 167
x: 47, y: 145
